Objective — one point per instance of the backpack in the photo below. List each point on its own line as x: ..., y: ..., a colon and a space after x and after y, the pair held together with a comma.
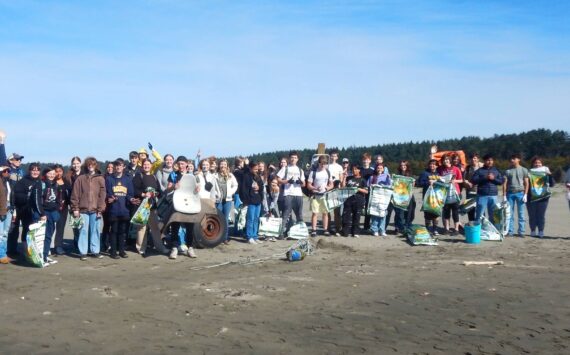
x: 308, y: 192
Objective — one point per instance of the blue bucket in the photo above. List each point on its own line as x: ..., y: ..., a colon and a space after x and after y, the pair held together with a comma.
x: 473, y: 233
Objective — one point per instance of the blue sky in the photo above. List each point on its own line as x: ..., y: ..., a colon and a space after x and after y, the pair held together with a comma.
x: 238, y: 77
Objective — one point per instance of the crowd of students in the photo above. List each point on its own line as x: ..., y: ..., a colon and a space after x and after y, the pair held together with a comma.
x: 88, y: 196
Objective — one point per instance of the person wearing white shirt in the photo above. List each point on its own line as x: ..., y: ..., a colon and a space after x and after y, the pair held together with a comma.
x: 292, y: 178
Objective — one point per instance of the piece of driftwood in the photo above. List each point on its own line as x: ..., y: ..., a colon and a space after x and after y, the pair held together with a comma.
x: 498, y: 262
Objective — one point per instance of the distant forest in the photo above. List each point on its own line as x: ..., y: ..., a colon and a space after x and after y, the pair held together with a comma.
x: 552, y: 146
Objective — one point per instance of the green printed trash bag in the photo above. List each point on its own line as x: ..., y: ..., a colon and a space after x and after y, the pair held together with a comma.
x: 403, y: 187
x: 539, y: 187
x: 489, y: 232
x: 502, y: 217
x: 467, y: 205
x: 335, y: 198
x: 35, y: 244
x: 434, y: 199
x: 140, y: 218
x: 75, y: 222
x: 298, y: 231
x: 419, y: 235
x: 380, y: 197
x: 241, y: 217
x: 270, y: 226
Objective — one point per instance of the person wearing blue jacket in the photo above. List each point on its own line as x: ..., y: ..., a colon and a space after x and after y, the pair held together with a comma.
x: 120, y: 192
x: 488, y: 179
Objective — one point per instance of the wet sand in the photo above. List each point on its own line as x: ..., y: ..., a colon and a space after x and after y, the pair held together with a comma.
x: 366, y: 295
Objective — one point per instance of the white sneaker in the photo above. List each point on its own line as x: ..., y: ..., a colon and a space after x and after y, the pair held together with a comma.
x: 183, y: 248
x: 50, y: 261
x: 356, y: 236
x: 375, y: 234
x: 173, y: 253
x: 192, y: 253
x: 384, y: 234
x: 540, y: 234
x: 251, y: 241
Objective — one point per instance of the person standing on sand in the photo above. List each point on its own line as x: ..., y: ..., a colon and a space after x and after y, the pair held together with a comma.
x: 146, y: 185
x: 451, y: 209
x: 537, y: 209
x: 120, y: 190
x: 377, y: 223
x: 320, y: 181
x: 228, y: 185
x: 515, y: 191
x: 470, y: 188
x: 403, y: 218
x: 488, y: 179
x: 568, y: 186
x: 365, y: 172
x: 354, y: 204
x: 252, y: 198
x: 292, y: 177
x: 336, y: 174
x: 5, y: 212
x: 426, y: 179
x: 164, y: 171
x: 88, y: 202
x: 28, y: 201
x: 52, y: 195
x: 178, y: 238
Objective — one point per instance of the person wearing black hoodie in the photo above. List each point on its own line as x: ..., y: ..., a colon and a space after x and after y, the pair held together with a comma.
x: 120, y: 192
x: 488, y: 179
x: 28, y: 202
x: 52, y: 195
x: 252, y: 197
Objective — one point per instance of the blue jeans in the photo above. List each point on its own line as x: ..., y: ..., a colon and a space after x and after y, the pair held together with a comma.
x: 89, y: 234
x: 4, y: 229
x: 378, y: 224
x: 252, y: 221
x: 516, y: 198
x: 485, y: 202
x: 225, y: 208
x: 52, y: 218
x: 182, y: 235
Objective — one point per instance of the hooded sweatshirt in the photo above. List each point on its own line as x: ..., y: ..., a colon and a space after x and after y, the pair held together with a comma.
x: 28, y: 194
x: 122, y: 189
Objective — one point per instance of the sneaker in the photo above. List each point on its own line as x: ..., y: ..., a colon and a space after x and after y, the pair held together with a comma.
x: 183, y: 248
x: 272, y: 239
x: 327, y: 234
x: 313, y: 234
x: 123, y: 255
x: 59, y: 251
x: 51, y: 261
x: 533, y: 234
x: 173, y: 253
x: 356, y: 236
x: 191, y: 253
x: 540, y: 234
x: 384, y: 234
x: 251, y: 241
x: 83, y: 257
x: 520, y: 235
x: 338, y: 234
x: 375, y: 234
x: 435, y: 232
x: 114, y: 256
x: 97, y: 256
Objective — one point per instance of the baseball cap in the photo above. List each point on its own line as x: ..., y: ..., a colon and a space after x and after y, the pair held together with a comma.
x: 2, y: 168
x: 15, y: 156
x: 345, y: 160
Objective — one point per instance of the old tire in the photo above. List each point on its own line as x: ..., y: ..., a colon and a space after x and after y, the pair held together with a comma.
x: 210, y: 231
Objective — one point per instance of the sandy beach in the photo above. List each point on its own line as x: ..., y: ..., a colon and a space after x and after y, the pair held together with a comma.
x: 365, y: 295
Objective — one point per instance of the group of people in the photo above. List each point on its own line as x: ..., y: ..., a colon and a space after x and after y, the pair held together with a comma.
x: 85, y: 196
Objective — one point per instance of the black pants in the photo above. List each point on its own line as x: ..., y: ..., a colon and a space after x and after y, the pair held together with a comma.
x: 118, y: 228
x: 451, y: 210
x: 25, y: 217
x: 175, y: 228
x: 351, y: 214
x: 105, y: 233
x: 367, y: 216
